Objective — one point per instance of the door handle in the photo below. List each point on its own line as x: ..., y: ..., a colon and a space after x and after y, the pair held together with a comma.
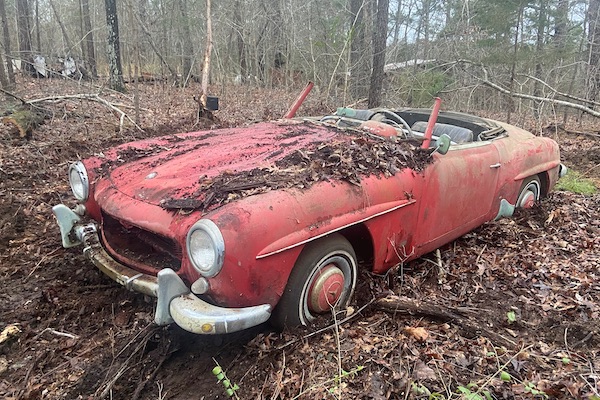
x: 497, y: 165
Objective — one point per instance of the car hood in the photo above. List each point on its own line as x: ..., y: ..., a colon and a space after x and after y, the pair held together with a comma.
x: 174, y: 170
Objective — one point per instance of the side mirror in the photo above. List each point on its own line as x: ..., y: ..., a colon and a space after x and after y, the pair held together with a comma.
x: 443, y: 144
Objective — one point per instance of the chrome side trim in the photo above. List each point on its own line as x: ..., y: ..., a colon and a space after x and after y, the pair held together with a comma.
x: 339, y: 228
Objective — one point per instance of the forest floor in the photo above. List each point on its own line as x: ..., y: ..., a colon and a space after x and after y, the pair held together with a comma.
x: 527, y: 289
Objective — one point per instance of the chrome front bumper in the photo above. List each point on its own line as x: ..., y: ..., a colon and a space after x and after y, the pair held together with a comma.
x: 176, y: 303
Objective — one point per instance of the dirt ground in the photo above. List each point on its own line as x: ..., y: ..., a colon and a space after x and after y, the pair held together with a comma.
x: 524, y: 293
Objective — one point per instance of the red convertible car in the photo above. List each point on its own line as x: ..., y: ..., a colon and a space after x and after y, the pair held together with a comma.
x: 233, y: 227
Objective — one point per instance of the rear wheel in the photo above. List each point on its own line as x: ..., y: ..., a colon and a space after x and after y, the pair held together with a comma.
x: 323, y: 279
x: 530, y: 193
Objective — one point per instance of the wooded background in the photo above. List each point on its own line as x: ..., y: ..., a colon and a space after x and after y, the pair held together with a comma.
x: 512, y: 56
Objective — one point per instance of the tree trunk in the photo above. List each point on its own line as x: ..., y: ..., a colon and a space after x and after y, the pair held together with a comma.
x: 561, y: 26
x: 24, y: 120
x: 203, y: 112
x: 90, y: 52
x: 6, y: 36
x: 68, y: 44
x: 114, y: 52
x: 379, y: 38
x: 154, y: 47
x: 594, y: 48
x: 513, y: 69
x: 3, y: 78
x: 359, y: 68
x: 186, y: 39
x: 23, y: 29
x: 38, y: 39
x: 539, y: 47
x: 239, y: 32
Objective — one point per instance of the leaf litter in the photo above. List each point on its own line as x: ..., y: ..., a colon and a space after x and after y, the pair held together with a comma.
x: 76, y: 334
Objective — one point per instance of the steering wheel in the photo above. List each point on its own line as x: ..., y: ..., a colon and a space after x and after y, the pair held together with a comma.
x: 392, y: 118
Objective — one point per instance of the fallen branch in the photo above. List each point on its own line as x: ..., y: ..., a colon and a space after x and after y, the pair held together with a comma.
x: 565, y: 95
x: 486, y: 81
x: 91, y: 97
x: 404, y: 305
x: 6, y: 92
x: 556, y: 127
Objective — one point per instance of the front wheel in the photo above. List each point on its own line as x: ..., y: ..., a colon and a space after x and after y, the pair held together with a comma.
x: 322, y: 280
x: 530, y: 193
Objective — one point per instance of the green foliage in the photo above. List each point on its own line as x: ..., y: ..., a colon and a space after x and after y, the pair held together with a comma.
x: 505, y: 376
x: 420, y: 390
x: 230, y: 388
x: 574, y: 182
x: 530, y: 388
x: 419, y: 88
x: 467, y: 394
x: 511, y: 317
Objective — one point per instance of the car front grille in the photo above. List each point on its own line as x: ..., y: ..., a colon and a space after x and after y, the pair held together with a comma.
x: 140, y: 246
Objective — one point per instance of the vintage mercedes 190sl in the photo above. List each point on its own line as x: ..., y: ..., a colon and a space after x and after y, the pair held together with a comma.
x: 233, y: 227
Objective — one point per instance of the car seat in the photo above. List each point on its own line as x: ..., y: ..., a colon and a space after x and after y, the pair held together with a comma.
x: 457, y: 134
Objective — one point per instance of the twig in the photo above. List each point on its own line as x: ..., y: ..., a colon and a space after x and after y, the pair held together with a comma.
x: 109, y: 385
x: 58, y: 333
x: 142, y: 385
x: 44, y: 258
x: 585, y: 339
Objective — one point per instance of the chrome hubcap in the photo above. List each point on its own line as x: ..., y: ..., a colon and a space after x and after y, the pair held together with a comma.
x: 529, y: 198
x: 326, y: 289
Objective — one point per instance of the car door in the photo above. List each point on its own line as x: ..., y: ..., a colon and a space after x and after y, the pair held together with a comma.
x: 460, y: 188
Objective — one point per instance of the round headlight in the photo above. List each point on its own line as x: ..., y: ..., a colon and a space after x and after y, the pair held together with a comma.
x: 206, y: 247
x: 78, y: 178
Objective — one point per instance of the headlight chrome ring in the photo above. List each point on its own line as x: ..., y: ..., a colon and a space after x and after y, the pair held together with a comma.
x: 206, y: 248
x: 78, y: 179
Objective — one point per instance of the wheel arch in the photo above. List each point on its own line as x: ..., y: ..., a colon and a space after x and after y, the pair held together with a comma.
x: 361, y: 241
x: 545, y: 183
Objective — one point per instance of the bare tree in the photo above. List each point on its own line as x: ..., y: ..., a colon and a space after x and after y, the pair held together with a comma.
x: 359, y: 65
x: 187, y: 44
x: 594, y: 48
x: 202, y: 110
x: 114, y: 52
x: 3, y: 78
x: 238, y: 27
x: 23, y: 26
x: 379, y: 38
x: 63, y: 29
x: 6, y: 35
x: 88, y: 38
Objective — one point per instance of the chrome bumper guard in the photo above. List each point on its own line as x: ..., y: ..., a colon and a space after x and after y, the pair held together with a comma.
x: 562, y: 170
x: 175, y: 301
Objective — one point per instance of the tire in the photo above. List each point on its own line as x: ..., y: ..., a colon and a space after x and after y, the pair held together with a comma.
x: 530, y: 193
x: 322, y: 265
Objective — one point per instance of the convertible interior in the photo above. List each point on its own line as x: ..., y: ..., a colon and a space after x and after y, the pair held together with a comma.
x: 412, y: 123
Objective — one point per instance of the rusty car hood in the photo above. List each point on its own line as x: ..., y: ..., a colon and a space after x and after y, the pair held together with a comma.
x: 175, y: 168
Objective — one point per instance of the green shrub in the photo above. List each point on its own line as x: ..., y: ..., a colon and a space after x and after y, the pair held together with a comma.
x: 574, y: 182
